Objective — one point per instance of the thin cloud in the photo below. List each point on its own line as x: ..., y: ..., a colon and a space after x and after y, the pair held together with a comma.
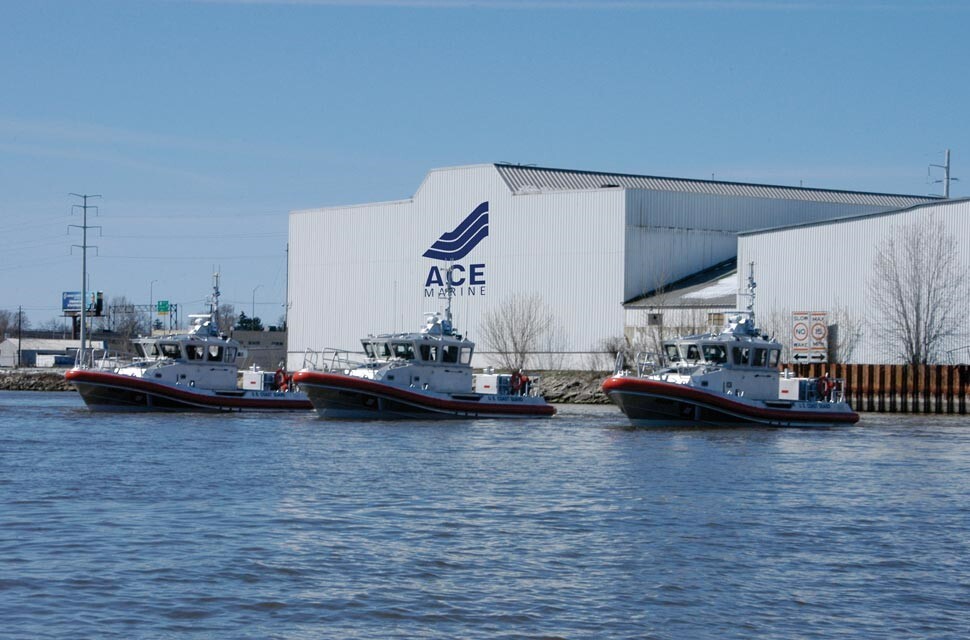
x: 655, y: 5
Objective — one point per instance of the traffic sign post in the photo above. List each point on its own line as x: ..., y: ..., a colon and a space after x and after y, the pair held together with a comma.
x: 810, y: 333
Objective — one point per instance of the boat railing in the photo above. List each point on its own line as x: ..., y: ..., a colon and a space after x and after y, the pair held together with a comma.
x: 330, y: 359
x: 647, y: 362
x: 95, y: 358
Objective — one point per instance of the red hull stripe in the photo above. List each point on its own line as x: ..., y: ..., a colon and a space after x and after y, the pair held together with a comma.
x: 689, y: 394
x: 351, y: 383
x: 104, y: 378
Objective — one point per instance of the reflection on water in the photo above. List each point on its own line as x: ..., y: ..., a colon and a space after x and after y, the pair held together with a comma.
x: 290, y: 526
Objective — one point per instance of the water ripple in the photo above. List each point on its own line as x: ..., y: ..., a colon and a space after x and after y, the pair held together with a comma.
x: 293, y: 527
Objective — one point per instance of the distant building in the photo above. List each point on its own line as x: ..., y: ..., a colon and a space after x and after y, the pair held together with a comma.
x: 265, y: 349
x: 41, y: 352
x: 695, y: 304
x: 585, y: 242
x: 826, y: 267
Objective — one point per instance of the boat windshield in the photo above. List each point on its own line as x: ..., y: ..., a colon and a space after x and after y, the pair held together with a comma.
x: 368, y: 349
x: 146, y: 350
x: 693, y: 353
x: 450, y: 353
x: 672, y: 353
x: 429, y: 353
x: 715, y: 353
x: 404, y: 350
x: 170, y: 349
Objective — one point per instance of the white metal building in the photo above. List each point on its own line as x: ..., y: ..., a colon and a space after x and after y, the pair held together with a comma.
x: 826, y: 267
x: 586, y: 242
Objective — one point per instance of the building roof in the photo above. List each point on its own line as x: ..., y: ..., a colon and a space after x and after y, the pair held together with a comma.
x: 523, y: 179
x: 857, y: 216
x: 51, y: 344
x: 716, y: 286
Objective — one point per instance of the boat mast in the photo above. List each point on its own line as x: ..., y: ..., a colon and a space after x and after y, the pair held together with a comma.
x: 751, y: 286
x: 447, y: 326
x: 214, y: 302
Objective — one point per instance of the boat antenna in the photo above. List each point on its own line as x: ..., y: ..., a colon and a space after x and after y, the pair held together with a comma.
x: 751, y: 287
x: 449, y: 294
x: 214, y: 301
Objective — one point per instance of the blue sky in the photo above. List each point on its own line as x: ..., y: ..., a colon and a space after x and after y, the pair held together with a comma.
x: 203, y: 123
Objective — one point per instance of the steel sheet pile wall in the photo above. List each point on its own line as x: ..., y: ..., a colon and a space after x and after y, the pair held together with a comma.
x: 828, y: 266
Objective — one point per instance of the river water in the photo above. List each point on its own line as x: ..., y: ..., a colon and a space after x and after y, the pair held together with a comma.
x: 288, y: 526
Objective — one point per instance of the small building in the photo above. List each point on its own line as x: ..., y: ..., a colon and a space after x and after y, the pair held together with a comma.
x: 695, y: 304
x: 265, y: 349
x: 41, y: 352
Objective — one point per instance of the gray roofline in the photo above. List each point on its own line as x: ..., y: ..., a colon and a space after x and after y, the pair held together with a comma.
x: 714, y: 182
x: 849, y: 218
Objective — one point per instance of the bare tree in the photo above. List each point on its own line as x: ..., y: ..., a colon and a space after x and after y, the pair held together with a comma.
x: 123, y: 320
x: 7, y: 319
x: 845, y: 334
x: 919, y: 289
x: 227, y: 318
x: 517, y: 328
x: 603, y: 356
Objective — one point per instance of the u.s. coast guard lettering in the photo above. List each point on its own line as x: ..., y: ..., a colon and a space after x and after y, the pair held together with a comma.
x: 466, y: 280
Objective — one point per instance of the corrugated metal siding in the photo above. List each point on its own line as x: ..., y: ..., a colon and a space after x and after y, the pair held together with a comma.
x: 826, y: 267
x: 360, y: 270
x: 524, y: 179
x: 672, y: 235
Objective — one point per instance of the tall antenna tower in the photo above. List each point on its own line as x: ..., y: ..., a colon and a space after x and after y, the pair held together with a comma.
x: 84, y: 256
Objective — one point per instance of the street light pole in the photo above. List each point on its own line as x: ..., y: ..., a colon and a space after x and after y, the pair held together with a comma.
x: 151, y: 303
x: 252, y: 318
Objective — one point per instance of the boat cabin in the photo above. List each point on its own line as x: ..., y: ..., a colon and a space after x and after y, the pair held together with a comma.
x: 422, y: 349
x: 735, y: 354
x: 186, y: 350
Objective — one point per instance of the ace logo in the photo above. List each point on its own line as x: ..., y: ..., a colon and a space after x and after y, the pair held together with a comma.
x: 452, y: 246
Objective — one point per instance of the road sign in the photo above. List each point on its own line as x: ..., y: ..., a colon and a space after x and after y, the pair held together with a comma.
x: 162, y: 307
x: 810, y: 336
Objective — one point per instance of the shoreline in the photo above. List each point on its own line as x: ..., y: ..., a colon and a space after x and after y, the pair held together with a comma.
x: 558, y: 387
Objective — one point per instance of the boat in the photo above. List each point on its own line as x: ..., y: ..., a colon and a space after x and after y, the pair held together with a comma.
x: 728, y: 377
x: 421, y: 375
x: 192, y: 371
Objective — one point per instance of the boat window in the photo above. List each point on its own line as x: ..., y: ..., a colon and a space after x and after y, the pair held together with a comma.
x: 194, y: 351
x: 140, y: 350
x: 740, y: 355
x: 760, y: 358
x: 383, y: 351
x: 230, y: 354
x: 368, y: 349
x: 715, y: 353
x: 773, y: 357
x: 672, y: 354
x: 428, y: 352
x: 692, y: 352
x: 466, y: 355
x: 404, y: 350
x: 154, y: 350
x: 450, y: 353
x: 215, y: 353
x: 170, y: 349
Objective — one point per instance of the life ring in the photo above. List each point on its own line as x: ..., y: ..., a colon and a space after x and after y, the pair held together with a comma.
x: 824, y: 386
x: 516, y: 383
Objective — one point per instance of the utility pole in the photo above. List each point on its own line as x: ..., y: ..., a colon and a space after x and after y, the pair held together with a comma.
x: 84, y: 257
x: 946, y: 174
x: 20, y: 328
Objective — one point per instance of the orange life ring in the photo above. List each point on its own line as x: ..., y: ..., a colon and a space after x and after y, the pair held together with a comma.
x: 824, y: 386
x: 516, y: 383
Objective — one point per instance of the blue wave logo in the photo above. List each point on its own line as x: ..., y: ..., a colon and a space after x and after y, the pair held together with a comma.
x: 455, y: 245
